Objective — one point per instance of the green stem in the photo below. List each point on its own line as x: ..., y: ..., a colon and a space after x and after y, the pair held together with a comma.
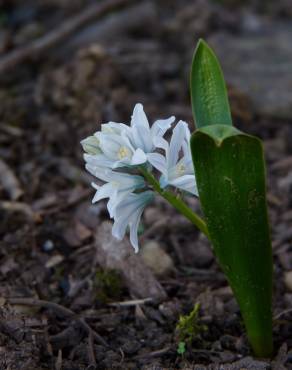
x: 176, y: 202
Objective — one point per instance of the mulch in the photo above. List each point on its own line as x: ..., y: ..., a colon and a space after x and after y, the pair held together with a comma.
x: 59, y: 307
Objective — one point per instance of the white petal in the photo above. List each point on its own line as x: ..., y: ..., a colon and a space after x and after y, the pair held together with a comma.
x: 113, y: 127
x: 95, y: 186
x: 189, y: 166
x: 119, y: 228
x: 176, y: 143
x: 187, y: 131
x: 104, y: 191
x: 108, y: 175
x: 97, y: 171
x: 122, y: 215
x: 126, y: 212
x: 139, y: 157
x: 160, y: 126
x: 139, y: 117
x: 112, y: 204
x: 99, y: 160
x: 91, y: 145
x: 134, y: 230
x: 125, y: 162
x: 133, y: 180
x: 186, y: 183
x: 110, y: 145
x: 126, y: 180
x: 161, y: 143
x: 126, y: 138
x: 142, y: 138
x: 163, y: 181
x: 158, y: 161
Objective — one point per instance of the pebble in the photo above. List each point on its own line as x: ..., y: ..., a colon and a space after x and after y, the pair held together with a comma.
x: 48, y: 245
x: 156, y: 258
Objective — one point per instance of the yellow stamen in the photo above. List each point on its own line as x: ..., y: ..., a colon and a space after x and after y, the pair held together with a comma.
x: 123, y: 152
x: 180, y: 169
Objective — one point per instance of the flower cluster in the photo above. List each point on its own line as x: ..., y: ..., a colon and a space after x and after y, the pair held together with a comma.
x: 117, y: 154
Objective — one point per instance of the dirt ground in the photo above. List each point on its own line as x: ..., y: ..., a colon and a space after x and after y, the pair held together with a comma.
x: 63, y: 305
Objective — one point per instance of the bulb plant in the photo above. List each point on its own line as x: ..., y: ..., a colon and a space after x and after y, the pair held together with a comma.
x: 221, y: 165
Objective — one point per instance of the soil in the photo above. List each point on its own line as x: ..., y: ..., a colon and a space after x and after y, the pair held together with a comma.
x: 58, y: 304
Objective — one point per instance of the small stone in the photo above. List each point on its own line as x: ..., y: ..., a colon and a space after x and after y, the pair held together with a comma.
x: 48, y: 245
x: 288, y: 280
x: 157, y: 259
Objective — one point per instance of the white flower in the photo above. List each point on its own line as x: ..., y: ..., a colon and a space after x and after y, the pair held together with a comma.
x: 178, y: 172
x: 117, y: 186
x: 120, y: 145
x: 129, y: 212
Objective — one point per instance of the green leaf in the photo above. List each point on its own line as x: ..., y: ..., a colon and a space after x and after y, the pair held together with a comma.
x: 181, y: 348
x: 208, y: 91
x: 230, y: 173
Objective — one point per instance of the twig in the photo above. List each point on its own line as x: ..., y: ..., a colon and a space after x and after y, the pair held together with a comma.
x: 135, y: 302
x: 58, y: 309
x: 52, y: 38
x: 59, y: 361
x: 91, y: 355
x: 11, y: 130
x: 282, y: 313
x: 20, y: 207
x: 154, y: 354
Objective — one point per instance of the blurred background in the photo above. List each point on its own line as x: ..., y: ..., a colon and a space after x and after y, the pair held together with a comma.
x: 66, y: 66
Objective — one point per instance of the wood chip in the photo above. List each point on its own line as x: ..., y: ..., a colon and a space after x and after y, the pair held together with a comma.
x: 54, y: 261
x: 9, y: 181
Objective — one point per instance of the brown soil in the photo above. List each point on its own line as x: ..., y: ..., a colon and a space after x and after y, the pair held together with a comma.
x: 47, y: 222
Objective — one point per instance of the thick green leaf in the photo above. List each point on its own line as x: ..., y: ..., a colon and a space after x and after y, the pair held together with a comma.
x: 208, y: 91
x: 230, y: 173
